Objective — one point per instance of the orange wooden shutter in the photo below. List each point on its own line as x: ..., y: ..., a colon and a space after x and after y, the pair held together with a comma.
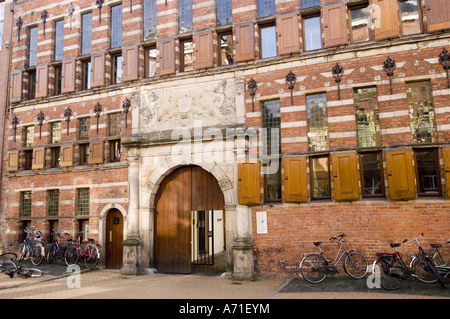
x: 204, y: 52
x: 38, y: 158
x: 400, y: 173
x: 42, y: 80
x: 98, y: 69
x: 68, y: 75
x: 249, y: 191
x: 295, y: 179
x: 446, y: 152
x: 166, y: 56
x: 335, y: 25
x: 66, y: 156
x: 345, y: 176
x: 130, y: 57
x: 386, y: 19
x: 438, y: 15
x: 288, y: 34
x: 96, y: 152
x: 16, y: 85
x: 12, y: 161
x: 245, y: 41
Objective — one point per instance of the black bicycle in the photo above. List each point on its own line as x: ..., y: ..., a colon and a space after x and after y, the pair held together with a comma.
x: 393, y: 271
x: 58, y: 250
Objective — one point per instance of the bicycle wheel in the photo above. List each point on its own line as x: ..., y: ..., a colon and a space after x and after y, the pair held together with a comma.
x: 29, y: 272
x: 51, y: 255
x: 93, y: 256
x: 71, y: 256
x: 38, y: 255
x: 387, y: 274
x: 421, y: 269
x: 23, y: 252
x: 7, y: 265
x: 8, y: 256
x: 313, y: 268
x: 356, y: 265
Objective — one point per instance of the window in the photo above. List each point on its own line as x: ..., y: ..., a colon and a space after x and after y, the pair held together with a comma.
x: 116, y: 26
x: 2, y: 18
x: 83, y: 201
x: 421, y: 111
x: 31, y: 84
x: 313, y: 38
x: 428, y: 180
x: 86, y: 33
x: 359, y: 24
x: 114, y: 123
x: 59, y: 40
x: 83, y: 227
x: 317, y: 122
x: 149, y: 19
x: 25, y: 204
x: 367, y: 117
x: 58, y: 78
x: 114, y: 151
x: 409, y: 10
x: 53, y: 202
x: 29, y: 136
x: 320, y: 177
x: 56, y: 156
x: 268, y: 41
x: 28, y: 154
x: 84, y: 154
x: 225, y: 49
x: 187, y: 49
x: 117, y: 68
x: 32, y: 46
x: 86, y: 66
x: 224, y: 12
x: 371, y: 174
x: 55, y: 132
x: 150, y: 61
x: 184, y: 16
x: 83, y: 128
x: 265, y: 8
x: 309, y: 3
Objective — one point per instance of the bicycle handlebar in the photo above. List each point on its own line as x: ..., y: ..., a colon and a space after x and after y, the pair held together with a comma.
x: 337, y: 237
x: 408, y: 241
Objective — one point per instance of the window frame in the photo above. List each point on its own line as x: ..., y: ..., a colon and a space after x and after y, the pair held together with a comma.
x: 304, y: 18
x: 26, y: 210
x: 150, y: 72
x: 59, y: 42
x: 262, y: 6
x: 349, y: 13
x: 185, y: 5
x: 82, y: 204
x: 419, y: 19
x: 221, y: 5
x: 83, y: 150
x: 311, y: 180
x: 52, y: 202
x: 435, y: 151
x: 228, y: 33
x: 151, y: 5
x: 375, y: 110
x: 116, y: 26
x: 183, y: 54
x: 312, y: 148
x: 86, y: 34
x: 116, y: 68
x: 272, y: 41
x: 381, y: 171
x: 86, y: 74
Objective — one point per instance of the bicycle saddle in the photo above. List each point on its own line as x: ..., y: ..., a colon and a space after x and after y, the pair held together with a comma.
x: 393, y: 245
x: 90, y: 239
x: 436, y: 245
x: 318, y: 243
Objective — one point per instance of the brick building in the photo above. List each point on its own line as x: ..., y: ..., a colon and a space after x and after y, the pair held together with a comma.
x: 174, y: 131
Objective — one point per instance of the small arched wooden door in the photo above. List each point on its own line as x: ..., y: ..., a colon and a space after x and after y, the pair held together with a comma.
x: 185, y: 190
x: 114, y: 239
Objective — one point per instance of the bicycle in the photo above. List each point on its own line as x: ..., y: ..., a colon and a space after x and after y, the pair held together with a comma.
x: 424, y: 274
x: 57, y: 251
x: 90, y: 253
x: 315, y: 267
x: 35, y: 250
x: 393, y: 271
x: 7, y: 261
x: 10, y: 268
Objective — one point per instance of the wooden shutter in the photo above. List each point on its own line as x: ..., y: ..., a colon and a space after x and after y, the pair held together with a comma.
x: 204, y: 52
x: 438, y: 15
x: 16, y: 85
x: 98, y: 69
x: 335, y: 27
x: 400, y: 174
x: 12, y: 161
x: 244, y: 34
x: 68, y: 75
x: 295, y: 179
x: 446, y: 153
x: 42, y: 80
x: 386, y: 19
x: 249, y: 189
x: 38, y: 158
x: 130, y: 56
x: 167, y: 56
x: 288, y: 34
x: 96, y: 152
x: 345, y: 176
x: 66, y: 156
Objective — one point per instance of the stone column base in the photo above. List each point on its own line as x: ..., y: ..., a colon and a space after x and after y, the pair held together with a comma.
x: 132, y: 265
x: 243, y: 259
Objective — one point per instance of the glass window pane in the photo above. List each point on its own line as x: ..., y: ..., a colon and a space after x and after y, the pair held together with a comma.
x: 317, y: 121
x: 32, y: 46
x: 265, y: 8
x: 56, y: 132
x: 226, y: 49
x: 426, y: 170
x: 359, y: 25
x: 116, y: 26
x: 371, y: 174
x: 271, y: 123
x: 53, y: 202
x: 149, y: 19
x: 185, y: 15
x: 83, y: 201
x: 367, y: 117
x: 224, y: 12
x: 86, y: 33
x: 151, y: 62
x: 268, y: 42
x: 26, y: 204
x: 421, y: 111
x: 313, y: 38
x: 59, y: 40
x: 320, y: 175
x: 410, y: 17
x: 188, y: 57
x: 117, y: 69
x: 309, y: 3
x: 29, y: 136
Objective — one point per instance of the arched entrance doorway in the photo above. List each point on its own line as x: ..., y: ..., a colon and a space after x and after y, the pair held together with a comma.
x: 114, y: 239
x: 189, y: 220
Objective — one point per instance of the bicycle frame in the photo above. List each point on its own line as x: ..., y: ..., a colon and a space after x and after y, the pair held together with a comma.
x: 339, y: 255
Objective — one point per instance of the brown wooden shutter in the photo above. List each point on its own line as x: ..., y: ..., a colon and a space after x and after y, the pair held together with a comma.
x: 204, y: 52
x: 98, y: 69
x: 295, y: 179
x: 96, y: 152
x: 335, y: 26
x: 16, y: 85
x: 42, y: 80
x: 400, y: 174
x: 386, y: 19
x: 130, y: 57
x: 244, y: 34
x: 66, y: 156
x: 12, y: 161
x: 167, y: 56
x: 438, y: 15
x: 446, y: 153
x: 249, y: 189
x: 288, y: 34
x: 345, y: 176
x: 68, y: 75
x: 38, y: 158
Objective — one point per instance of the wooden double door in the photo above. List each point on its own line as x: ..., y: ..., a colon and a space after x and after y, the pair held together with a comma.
x: 188, y: 189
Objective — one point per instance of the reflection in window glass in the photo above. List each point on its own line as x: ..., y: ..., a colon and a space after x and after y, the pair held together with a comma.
x: 367, y: 117
x: 55, y: 132
x: 29, y: 136
x: 265, y: 8
x: 151, y: 62
x: 421, y: 111
x: 117, y: 76
x: 410, y: 17
x: 320, y: 177
x: 116, y: 26
x: 309, y: 3
x: 187, y: 56
x: 268, y: 42
x: 226, y: 49
x: 185, y: 15
x: 371, y: 174
x: 25, y: 204
x: 317, y: 121
x: 313, y: 39
x: 359, y: 25
x: 86, y: 33
x: 32, y: 46
x: 224, y: 12
x: 149, y: 19
x: 59, y: 39
x: 427, y: 176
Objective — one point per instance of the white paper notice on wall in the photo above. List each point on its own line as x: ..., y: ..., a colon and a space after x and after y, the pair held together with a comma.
x: 261, y: 222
